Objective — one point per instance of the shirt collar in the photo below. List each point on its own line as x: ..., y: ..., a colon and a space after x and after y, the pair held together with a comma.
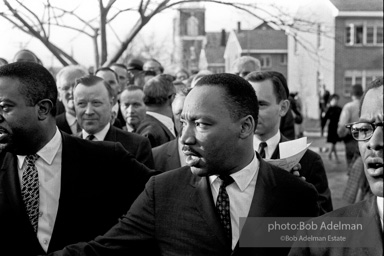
x: 100, y: 135
x: 272, y: 143
x: 70, y: 119
x: 243, y: 177
x: 167, y: 121
x: 129, y: 128
x: 380, y: 207
x: 48, y: 152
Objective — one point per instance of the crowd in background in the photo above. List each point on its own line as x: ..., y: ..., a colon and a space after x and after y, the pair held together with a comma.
x: 148, y: 112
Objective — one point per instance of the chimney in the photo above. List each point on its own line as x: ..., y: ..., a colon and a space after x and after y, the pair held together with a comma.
x: 238, y: 26
x: 223, y: 38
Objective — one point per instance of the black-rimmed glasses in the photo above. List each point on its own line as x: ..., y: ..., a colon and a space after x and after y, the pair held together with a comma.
x: 363, y: 130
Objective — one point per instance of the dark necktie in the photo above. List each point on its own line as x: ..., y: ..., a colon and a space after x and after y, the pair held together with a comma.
x: 90, y: 137
x: 222, y: 206
x: 30, y: 190
x: 262, y: 147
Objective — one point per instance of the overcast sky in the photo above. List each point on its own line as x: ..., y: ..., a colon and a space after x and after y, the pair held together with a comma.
x: 217, y: 17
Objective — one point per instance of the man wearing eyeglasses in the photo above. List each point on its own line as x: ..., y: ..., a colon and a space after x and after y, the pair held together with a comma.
x: 368, y: 132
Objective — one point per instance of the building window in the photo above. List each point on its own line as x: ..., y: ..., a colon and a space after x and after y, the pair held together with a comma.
x: 363, y: 34
x: 370, y: 35
x: 347, y: 85
x: 348, y: 34
x: 362, y: 77
x: 265, y: 61
x: 379, y: 35
x: 359, y: 34
x: 283, y: 59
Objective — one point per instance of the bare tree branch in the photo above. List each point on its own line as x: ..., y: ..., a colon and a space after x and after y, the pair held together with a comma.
x: 118, y: 13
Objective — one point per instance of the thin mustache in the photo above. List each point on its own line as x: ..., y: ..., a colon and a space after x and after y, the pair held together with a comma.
x: 189, y: 149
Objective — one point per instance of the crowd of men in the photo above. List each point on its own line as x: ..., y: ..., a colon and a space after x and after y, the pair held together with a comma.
x: 130, y: 160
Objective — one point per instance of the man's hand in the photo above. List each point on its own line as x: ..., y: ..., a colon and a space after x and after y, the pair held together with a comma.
x: 296, y: 171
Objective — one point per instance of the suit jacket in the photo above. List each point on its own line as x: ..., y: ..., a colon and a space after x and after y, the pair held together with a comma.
x: 374, y: 234
x: 175, y: 215
x: 134, y: 143
x: 155, y: 131
x: 99, y: 182
x: 166, y: 156
x: 62, y: 123
x: 312, y: 168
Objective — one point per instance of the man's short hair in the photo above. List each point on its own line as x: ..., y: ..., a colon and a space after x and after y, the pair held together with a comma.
x: 107, y: 69
x: 37, y: 83
x: 161, y: 68
x: 74, y: 71
x: 241, y: 61
x: 132, y: 87
x: 158, y: 89
x: 278, y: 80
x: 374, y: 84
x: 91, y: 80
x: 240, y: 97
x: 357, y: 90
x: 334, y: 96
x: 135, y: 64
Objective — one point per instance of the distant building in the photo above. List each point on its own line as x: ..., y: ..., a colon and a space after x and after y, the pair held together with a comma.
x: 196, y: 49
x: 189, y: 35
x: 265, y: 43
x: 343, y: 46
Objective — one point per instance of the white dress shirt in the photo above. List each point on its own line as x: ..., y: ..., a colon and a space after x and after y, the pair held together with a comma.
x: 380, y: 207
x: 240, y: 194
x: 98, y: 136
x: 167, y: 121
x: 272, y: 143
x: 48, y: 166
x: 72, y: 122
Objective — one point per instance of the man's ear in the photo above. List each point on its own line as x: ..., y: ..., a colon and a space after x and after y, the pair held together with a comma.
x: 247, y: 126
x: 284, y: 107
x: 44, y: 108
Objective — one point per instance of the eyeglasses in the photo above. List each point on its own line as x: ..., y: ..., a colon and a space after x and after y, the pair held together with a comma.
x: 363, y: 130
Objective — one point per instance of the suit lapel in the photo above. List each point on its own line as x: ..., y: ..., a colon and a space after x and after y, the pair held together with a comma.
x: 111, y: 134
x: 69, y: 170
x: 12, y: 184
x: 201, y: 196
x: 12, y: 189
x: 263, y: 196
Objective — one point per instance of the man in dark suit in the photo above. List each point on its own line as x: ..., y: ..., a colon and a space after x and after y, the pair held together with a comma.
x: 368, y: 131
x: 158, y: 125
x: 193, y: 210
x: 55, y: 189
x: 66, y: 79
x: 93, y: 103
x: 169, y: 156
x: 272, y: 92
